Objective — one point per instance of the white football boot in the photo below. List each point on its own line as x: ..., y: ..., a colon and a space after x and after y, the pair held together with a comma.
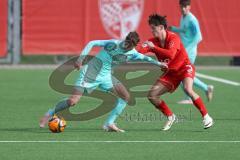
x: 169, y: 123
x: 44, y: 120
x: 207, y: 121
x: 209, y: 93
x: 112, y: 128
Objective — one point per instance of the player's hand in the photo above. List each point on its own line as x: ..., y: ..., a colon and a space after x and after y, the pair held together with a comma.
x: 149, y: 44
x: 78, y: 65
x: 164, y: 67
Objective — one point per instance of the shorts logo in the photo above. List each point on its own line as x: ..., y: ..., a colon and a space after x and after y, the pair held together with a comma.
x: 120, y: 16
x: 190, y: 69
x: 144, y: 45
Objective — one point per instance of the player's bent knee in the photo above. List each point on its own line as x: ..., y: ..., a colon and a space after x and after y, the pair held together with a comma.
x: 151, y: 97
x: 72, y: 101
x: 126, y: 97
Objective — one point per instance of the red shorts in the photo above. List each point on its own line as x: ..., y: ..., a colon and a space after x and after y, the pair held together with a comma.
x: 172, y: 79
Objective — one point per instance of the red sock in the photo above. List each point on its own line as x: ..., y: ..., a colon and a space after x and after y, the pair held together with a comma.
x: 200, y: 106
x: 164, y: 108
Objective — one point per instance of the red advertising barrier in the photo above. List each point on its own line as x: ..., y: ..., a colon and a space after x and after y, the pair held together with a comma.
x: 3, y: 27
x: 65, y: 26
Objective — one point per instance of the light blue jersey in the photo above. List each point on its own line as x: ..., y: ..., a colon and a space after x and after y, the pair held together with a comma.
x: 190, y: 33
x: 98, y: 71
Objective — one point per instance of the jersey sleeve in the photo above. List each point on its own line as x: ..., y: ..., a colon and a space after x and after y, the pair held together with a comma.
x: 134, y: 55
x: 94, y: 43
x: 172, y: 46
x: 177, y: 29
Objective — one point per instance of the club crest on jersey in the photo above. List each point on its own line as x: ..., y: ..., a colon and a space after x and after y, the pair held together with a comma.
x: 119, y: 17
x: 171, y: 44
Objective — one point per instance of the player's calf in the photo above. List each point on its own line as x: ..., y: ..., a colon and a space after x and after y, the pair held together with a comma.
x: 61, y: 105
x: 73, y: 100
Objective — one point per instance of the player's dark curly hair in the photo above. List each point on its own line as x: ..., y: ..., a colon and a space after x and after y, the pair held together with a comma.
x: 185, y: 2
x: 133, y: 37
x: 156, y: 20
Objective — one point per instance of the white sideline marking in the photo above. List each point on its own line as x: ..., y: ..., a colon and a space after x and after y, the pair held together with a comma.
x: 217, y: 79
x: 119, y: 141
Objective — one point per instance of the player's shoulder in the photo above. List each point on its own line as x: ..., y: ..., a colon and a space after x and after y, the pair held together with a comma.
x: 114, y: 40
x: 192, y: 17
x: 172, y: 35
x: 104, y: 41
x: 111, y: 43
x: 173, y: 38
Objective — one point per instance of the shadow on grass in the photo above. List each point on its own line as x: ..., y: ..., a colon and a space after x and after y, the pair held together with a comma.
x: 45, y: 130
x: 94, y: 130
x: 27, y: 130
x: 227, y: 119
x: 173, y: 130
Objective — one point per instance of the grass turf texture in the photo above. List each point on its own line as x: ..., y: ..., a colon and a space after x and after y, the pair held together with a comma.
x: 26, y: 95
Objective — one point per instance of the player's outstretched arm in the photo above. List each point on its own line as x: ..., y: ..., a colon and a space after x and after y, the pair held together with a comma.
x: 88, y: 48
x: 136, y: 56
x: 176, y: 29
x: 95, y: 43
x: 168, y: 52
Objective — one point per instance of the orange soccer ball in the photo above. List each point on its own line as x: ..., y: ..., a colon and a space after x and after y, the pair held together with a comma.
x: 56, y: 124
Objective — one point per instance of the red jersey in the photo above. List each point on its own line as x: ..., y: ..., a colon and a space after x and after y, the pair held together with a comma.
x: 173, y: 52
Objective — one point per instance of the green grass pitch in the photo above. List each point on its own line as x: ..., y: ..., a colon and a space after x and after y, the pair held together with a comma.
x: 26, y: 95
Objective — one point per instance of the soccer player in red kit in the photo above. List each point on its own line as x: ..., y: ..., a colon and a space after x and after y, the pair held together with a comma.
x: 168, y: 48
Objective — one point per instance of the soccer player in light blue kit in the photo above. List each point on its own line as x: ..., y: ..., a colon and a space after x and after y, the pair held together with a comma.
x: 98, y: 73
x: 190, y: 34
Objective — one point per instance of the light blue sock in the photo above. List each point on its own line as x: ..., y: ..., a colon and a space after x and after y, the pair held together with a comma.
x: 200, y: 84
x: 120, y: 105
x: 59, y: 107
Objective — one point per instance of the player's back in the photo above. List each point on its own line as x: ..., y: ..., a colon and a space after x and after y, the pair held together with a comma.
x: 110, y: 53
x: 101, y: 64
